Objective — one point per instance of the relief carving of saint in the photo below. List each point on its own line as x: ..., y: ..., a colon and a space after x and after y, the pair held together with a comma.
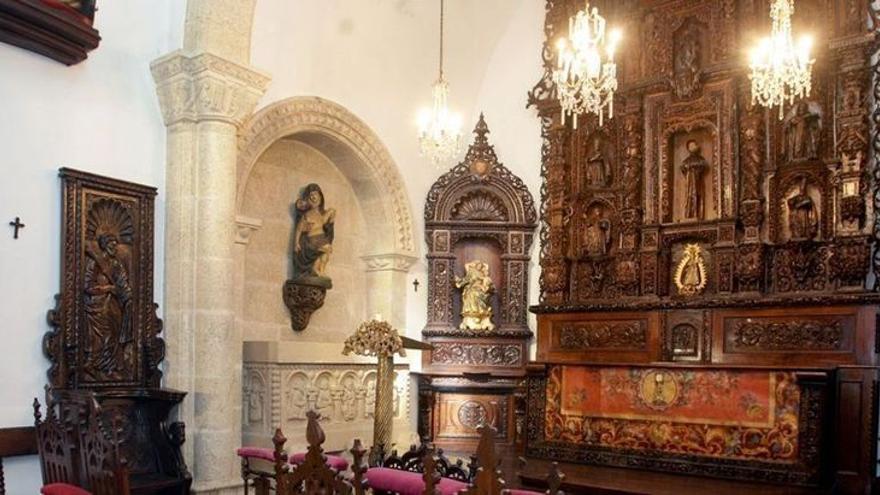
x: 693, y: 167
x: 802, y: 218
x: 476, y: 291
x: 312, y: 237
x: 108, y: 293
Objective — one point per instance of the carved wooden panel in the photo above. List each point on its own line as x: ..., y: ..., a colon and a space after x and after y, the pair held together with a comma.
x: 687, y: 335
x: 106, y: 333
x: 601, y: 337
x: 459, y: 415
x: 468, y: 353
x: 811, y: 336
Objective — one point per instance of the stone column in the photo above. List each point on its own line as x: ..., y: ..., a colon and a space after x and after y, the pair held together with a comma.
x: 204, y: 99
x: 387, y: 285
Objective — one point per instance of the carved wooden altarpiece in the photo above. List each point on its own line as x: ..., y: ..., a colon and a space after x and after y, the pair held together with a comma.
x: 695, y: 231
x: 477, y: 211
x: 105, y: 337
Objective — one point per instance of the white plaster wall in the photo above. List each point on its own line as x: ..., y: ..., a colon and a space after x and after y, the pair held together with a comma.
x: 100, y: 116
x: 378, y: 58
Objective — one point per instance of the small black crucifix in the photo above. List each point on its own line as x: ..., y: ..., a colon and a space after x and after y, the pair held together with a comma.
x: 416, y: 285
x: 17, y: 225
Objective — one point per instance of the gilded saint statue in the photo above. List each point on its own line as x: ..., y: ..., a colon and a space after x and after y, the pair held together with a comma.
x: 690, y: 274
x: 802, y: 218
x: 693, y: 167
x: 108, y: 293
x: 476, y: 290
x: 312, y: 236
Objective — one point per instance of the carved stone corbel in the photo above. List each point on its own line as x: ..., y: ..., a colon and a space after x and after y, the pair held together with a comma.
x: 303, y: 299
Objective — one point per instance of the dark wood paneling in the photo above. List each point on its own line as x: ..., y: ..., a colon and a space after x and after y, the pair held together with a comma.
x: 599, y: 337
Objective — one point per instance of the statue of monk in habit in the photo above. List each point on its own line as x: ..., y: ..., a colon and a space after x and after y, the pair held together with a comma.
x: 476, y: 290
x: 693, y: 167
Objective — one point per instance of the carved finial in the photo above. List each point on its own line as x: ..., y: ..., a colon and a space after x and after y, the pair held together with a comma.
x: 358, y: 468
x: 374, y: 338
x: 481, y: 157
x: 37, y: 414
x: 481, y: 129
x: 314, y: 434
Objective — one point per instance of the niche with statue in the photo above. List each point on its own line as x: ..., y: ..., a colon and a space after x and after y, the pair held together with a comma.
x: 479, y: 222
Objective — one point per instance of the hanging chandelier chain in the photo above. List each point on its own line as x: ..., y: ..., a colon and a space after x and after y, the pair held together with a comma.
x: 441, y: 39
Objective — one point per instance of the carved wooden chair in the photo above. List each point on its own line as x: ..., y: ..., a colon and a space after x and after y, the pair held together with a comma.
x: 56, y: 446
x: 77, y: 451
x: 313, y: 475
x: 413, y: 461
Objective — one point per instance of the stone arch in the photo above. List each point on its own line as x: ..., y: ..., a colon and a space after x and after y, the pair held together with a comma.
x: 349, y: 143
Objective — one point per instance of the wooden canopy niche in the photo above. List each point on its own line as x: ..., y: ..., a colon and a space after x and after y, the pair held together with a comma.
x: 477, y: 211
x: 697, y: 245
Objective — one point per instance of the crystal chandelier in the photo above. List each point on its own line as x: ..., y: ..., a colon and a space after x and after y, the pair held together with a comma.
x: 439, y: 129
x: 586, y: 75
x: 780, y: 70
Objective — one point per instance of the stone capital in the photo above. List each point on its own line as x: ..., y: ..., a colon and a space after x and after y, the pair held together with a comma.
x: 204, y: 87
x: 388, y: 262
x: 244, y: 227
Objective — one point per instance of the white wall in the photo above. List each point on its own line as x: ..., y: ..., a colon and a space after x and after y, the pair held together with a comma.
x: 100, y: 116
x: 378, y: 58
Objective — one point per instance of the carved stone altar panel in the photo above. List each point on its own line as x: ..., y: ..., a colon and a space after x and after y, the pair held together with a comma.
x: 280, y: 394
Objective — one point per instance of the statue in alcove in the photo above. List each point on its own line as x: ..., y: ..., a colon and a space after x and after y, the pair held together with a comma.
x: 597, y: 167
x: 802, y: 218
x: 313, y: 236
x: 108, y: 293
x: 476, y: 291
x: 693, y: 167
x: 597, y: 233
x: 802, y: 133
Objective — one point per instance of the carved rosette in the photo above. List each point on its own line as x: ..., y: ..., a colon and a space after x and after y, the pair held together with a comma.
x: 302, y: 300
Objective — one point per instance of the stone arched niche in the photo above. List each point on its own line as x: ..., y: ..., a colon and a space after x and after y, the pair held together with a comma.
x: 281, y: 149
x: 307, y: 139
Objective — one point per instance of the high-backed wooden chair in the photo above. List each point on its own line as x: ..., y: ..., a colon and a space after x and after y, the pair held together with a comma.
x: 56, y: 446
x: 78, y: 450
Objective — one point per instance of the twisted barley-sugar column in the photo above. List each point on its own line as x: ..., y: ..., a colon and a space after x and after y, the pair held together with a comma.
x: 384, y: 412
x: 379, y: 339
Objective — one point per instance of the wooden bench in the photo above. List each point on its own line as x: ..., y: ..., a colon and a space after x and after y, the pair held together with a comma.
x: 17, y: 441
